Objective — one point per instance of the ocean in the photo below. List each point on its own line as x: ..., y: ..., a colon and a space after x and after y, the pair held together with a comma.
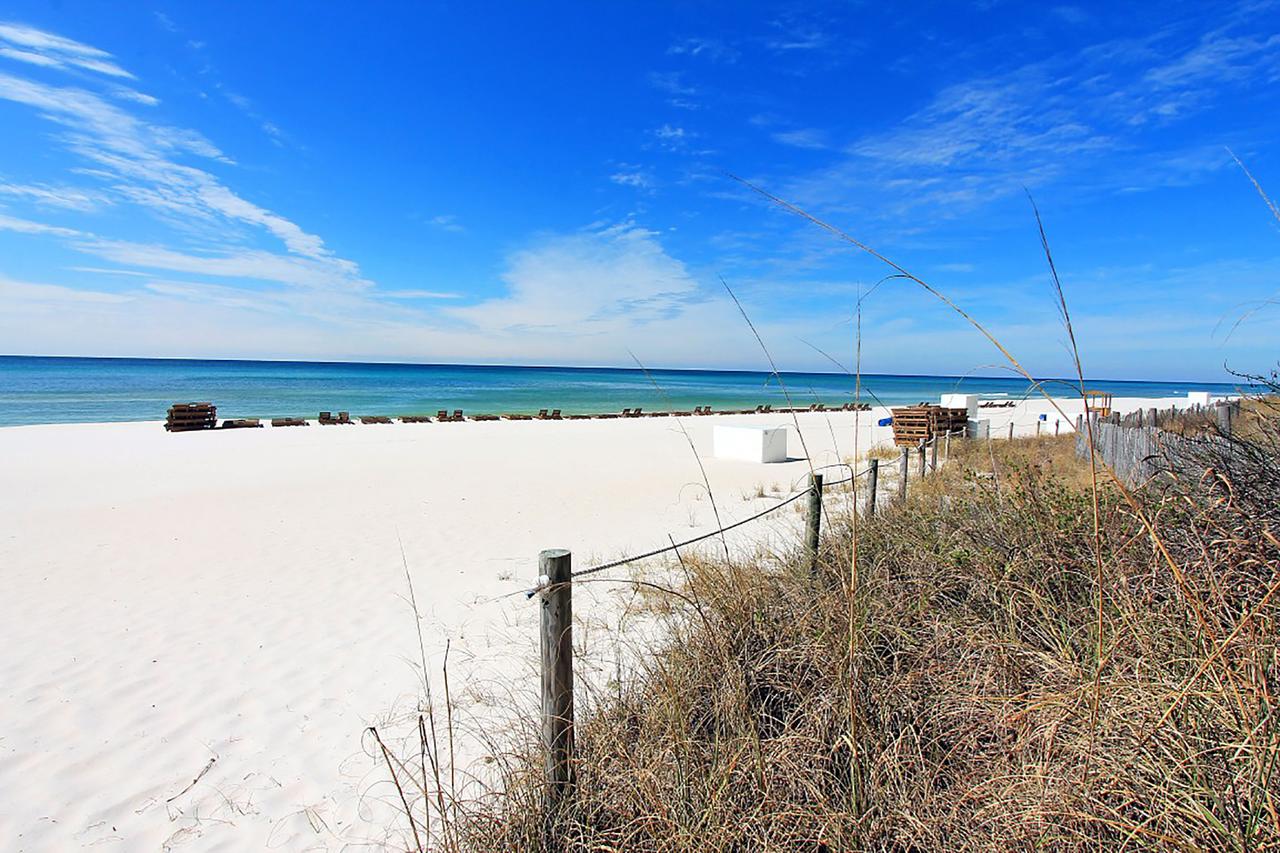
x: 40, y: 390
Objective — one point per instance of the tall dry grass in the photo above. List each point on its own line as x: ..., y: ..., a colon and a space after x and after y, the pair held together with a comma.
x: 982, y: 720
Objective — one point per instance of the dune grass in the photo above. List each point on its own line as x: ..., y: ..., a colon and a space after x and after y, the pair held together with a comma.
x: 974, y: 686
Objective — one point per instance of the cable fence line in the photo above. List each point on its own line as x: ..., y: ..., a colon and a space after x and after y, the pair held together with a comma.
x: 666, y: 549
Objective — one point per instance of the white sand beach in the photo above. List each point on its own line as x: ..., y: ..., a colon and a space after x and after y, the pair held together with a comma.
x: 231, y: 607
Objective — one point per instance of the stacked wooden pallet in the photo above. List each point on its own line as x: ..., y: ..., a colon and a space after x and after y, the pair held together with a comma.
x: 946, y: 420
x: 911, y: 425
x: 914, y: 424
x: 190, y: 416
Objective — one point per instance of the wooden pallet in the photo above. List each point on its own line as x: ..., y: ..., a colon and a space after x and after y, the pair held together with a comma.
x: 944, y: 421
x: 914, y: 424
x: 911, y: 425
x: 191, y: 416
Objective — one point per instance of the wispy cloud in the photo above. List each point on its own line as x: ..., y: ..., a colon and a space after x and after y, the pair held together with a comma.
x: 137, y: 161
x: 46, y: 195
x: 671, y: 82
x: 447, y: 222
x: 1097, y: 116
x: 27, y: 226
x: 705, y: 48
x: 36, y: 47
x: 632, y: 176
x: 419, y: 294
x: 809, y: 138
x: 587, y: 283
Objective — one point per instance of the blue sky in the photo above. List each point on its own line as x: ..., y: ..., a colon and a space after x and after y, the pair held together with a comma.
x: 526, y: 185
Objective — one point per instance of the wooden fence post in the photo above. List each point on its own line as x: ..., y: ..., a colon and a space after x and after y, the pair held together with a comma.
x: 557, y: 672
x: 1057, y: 423
x: 1080, y: 423
x: 920, y: 452
x: 873, y: 476
x: 1153, y: 418
x: 813, y: 524
x: 1224, y: 418
x: 902, y: 475
x: 933, y: 454
x: 946, y: 448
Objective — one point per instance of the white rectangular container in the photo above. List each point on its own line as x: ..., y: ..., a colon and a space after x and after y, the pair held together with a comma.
x: 978, y: 429
x: 750, y: 443
x: 968, y: 402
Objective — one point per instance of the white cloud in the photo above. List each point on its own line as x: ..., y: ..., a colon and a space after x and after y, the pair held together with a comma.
x: 586, y: 283
x: 26, y: 226
x: 144, y: 163
x: 447, y: 222
x: 418, y: 294
x: 809, y: 138
x: 707, y: 48
x: 40, y: 48
x: 45, y: 195
x: 632, y: 176
x: 14, y: 292
x: 671, y: 82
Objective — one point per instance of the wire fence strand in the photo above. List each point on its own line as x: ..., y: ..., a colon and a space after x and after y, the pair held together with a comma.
x: 675, y: 546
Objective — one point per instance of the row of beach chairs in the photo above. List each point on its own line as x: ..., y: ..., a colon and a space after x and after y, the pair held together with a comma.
x: 194, y: 416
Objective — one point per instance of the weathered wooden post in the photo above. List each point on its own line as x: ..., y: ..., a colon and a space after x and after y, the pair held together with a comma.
x: 1057, y: 424
x: 873, y: 477
x: 813, y: 524
x: 555, y: 568
x: 933, y: 453
x: 1010, y: 429
x: 1138, y: 421
x: 1037, y: 427
x: 1153, y: 418
x: 920, y: 454
x: 902, y: 475
x: 946, y: 448
x: 1080, y: 422
x: 1224, y: 411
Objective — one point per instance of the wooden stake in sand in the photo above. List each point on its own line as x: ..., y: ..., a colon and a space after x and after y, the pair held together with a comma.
x: 555, y: 569
x: 902, y: 475
x: 813, y: 524
x: 873, y: 476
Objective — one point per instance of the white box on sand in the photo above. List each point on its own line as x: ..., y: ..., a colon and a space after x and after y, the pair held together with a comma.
x: 968, y: 402
x: 978, y: 429
x: 752, y: 444
x: 1201, y: 398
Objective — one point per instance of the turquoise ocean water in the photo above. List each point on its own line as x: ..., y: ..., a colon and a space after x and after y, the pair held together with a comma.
x: 37, y: 390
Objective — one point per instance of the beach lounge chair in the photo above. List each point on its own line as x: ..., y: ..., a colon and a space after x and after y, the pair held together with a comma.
x: 414, y: 419
x: 457, y: 415
x: 485, y: 417
x: 517, y: 416
x: 542, y: 414
x: 555, y: 415
x: 375, y: 419
x: 241, y: 423
x: 578, y: 417
x: 284, y: 422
